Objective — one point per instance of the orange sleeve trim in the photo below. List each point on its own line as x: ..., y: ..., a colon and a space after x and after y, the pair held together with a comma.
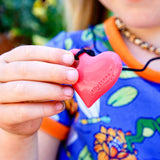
x: 120, y: 48
x: 54, y: 128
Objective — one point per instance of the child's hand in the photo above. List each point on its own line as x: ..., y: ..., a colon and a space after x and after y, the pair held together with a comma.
x: 30, y: 78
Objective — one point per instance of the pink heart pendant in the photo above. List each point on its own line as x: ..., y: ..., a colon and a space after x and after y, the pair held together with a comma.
x: 96, y: 75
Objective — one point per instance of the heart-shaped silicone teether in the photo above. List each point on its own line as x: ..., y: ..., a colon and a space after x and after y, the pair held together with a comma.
x: 97, y: 74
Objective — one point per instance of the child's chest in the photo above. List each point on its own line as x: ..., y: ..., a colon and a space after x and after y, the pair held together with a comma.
x: 125, y: 122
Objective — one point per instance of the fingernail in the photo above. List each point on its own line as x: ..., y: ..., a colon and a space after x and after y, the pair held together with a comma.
x: 59, y: 106
x: 68, y: 58
x: 68, y: 91
x: 72, y: 75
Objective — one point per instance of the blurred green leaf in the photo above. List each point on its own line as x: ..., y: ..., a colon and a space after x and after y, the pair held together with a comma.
x: 123, y: 96
x: 68, y: 43
x: 19, y: 14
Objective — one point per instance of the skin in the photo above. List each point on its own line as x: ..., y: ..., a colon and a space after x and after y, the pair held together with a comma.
x: 28, y: 83
x: 137, y: 11
x: 142, y: 17
x: 30, y: 78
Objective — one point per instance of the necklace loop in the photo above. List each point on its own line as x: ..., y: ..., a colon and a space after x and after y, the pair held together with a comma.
x: 134, y: 39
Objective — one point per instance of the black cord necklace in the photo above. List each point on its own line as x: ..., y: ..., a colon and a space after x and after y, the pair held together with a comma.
x: 92, y: 53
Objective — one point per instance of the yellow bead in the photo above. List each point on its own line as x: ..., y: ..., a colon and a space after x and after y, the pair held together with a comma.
x: 137, y: 41
x: 144, y: 45
x: 157, y: 51
x: 119, y: 24
x: 126, y: 33
x: 152, y: 48
x: 132, y: 38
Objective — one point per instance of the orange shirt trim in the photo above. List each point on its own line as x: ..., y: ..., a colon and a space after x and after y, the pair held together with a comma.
x: 54, y: 128
x: 120, y: 48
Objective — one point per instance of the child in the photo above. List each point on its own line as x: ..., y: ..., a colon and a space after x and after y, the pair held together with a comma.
x: 124, y: 124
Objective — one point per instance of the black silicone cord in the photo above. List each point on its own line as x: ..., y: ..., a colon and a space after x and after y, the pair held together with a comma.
x: 88, y: 51
x: 92, y: 53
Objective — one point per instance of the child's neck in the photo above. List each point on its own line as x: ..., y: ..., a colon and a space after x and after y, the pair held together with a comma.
x: 152, y: 36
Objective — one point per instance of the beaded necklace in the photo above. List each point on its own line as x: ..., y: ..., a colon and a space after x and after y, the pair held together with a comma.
x: 122, y: 27
x: 134, y: 39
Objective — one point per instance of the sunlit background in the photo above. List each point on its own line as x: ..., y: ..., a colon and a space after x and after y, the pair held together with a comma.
x: 29, y: 22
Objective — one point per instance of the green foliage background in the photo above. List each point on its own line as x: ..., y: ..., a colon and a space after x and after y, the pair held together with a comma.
x: 17, y: 17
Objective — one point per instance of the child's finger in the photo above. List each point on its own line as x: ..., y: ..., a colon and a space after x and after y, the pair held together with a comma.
x: 16, y: 113
x: 21, y: 91
x: 38, y: 53
x: 37, y: 71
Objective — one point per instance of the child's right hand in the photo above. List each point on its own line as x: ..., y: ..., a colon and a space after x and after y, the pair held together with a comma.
x: 30, y: 78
